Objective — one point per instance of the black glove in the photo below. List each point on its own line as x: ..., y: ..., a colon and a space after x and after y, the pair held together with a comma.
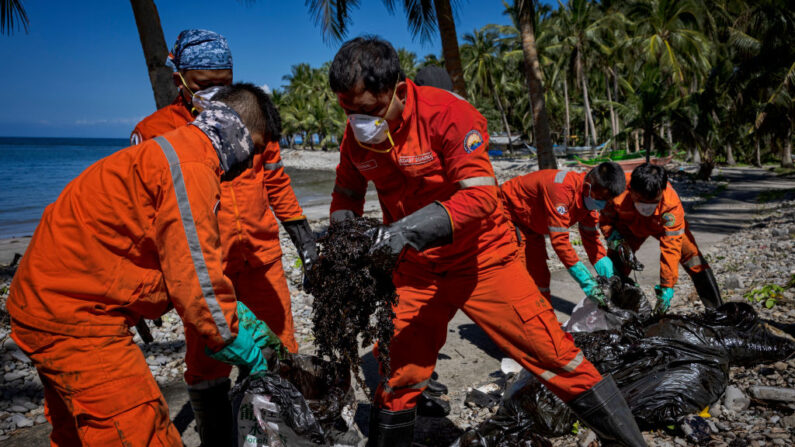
x: 304, y: 240
x: 425, y: 228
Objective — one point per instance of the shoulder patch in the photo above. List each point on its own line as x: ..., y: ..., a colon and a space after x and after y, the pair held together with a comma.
x: 668, y: 219
x: 561, y: 209
x: 472, y: 141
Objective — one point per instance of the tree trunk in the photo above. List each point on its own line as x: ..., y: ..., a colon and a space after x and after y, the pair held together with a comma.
x: 452, y: 58
x: 647, y: 135
x: 696, y: 156
x: 758, y: 157
x: 786, y: 153
x: 568, y: 117
x: 637, y: 143
x: 504, y: 118
x: 588, y: 114
x: 155, y: 51
x: 730, y: 155
x: 532, y: 69
x: 613, y: 129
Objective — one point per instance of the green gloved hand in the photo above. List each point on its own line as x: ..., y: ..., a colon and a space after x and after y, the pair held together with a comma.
x: 243, y: 351
x: 604, y: 267
x: 263, y: 336
x: 614, y: 240
x: 664, y: 297
x: 587, y: 283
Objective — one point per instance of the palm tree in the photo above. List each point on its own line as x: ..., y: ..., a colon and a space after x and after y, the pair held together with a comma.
x: 424, y: 17
x: 408, y: 62
x: 155, y: 51
x: 481, y: 64
x: 12, y: 15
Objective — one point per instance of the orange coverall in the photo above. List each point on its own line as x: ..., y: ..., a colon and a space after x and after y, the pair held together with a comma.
x: 549, y: 202
x: 440, y: 155
x: 667, y: 224
x: 131, y: 236
x: 249, y: 241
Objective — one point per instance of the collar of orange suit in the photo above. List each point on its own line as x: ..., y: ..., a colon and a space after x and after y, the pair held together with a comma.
x: 230, y: 138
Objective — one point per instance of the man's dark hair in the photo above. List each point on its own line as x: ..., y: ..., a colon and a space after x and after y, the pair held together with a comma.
x: 254, y: 107
x: 648, y: 180
x: 609, y: 175
x: 434, y: 76
x: 369, y: 59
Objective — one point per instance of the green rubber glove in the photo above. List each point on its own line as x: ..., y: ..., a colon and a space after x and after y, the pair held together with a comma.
x: 604, y: 267
x: 614, y: 240
x: 587, y: 283
x: 664, y: 297
x: 263, y: 336
x: 243, y: 351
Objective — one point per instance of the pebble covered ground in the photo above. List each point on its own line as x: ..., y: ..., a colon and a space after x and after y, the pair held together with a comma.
x: 748, y: 260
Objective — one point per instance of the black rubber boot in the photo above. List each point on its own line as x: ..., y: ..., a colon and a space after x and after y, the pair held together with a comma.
x: 213, y: 413
x: 432, y: 405
x: 707, y: 288
x: 604, y: 410
x: 435, y: 388
x: 391, y: 428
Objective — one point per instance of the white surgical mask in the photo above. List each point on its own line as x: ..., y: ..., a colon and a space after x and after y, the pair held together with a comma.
x: 369, y: 129
x: 646, y: 209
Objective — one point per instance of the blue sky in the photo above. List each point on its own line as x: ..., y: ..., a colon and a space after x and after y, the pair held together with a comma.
x: 80, y: 72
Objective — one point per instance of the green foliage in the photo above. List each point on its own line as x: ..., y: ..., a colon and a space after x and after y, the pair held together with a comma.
x: 769, y: 295
x: 575, y: 428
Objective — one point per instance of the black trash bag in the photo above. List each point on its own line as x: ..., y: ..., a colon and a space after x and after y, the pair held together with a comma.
x: 666, y: 367
x: 625, y: 301
x: 304, y: 400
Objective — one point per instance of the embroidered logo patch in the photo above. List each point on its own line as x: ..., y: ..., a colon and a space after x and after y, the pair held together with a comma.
x: 561, y: 209
x: 421, y: 159
x: 472, y: 141
x: 668, y: 219
x: 367, y: 165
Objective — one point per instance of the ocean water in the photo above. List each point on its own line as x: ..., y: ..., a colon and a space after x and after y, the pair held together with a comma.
x: 38, y: 169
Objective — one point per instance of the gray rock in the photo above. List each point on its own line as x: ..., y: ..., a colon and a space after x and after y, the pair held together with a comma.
x: 734, y: 399
x: 733, y: 282
x: 788, y: 421
x: 14, y: 375
x: 773, y: 393
x: 21, y: 421
x: 18, y: 409
x: 40, y: 419
x: 781, y: 366
x: 779, y: 232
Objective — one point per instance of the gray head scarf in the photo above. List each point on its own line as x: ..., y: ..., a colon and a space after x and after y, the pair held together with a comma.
x: 230, y: 137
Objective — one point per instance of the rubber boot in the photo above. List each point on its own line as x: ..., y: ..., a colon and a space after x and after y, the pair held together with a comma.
x: 604, y: 410
x: 391, y: 428
x: 707, y: 288
x: 436, y: 388
x: 432, y: 405
x: 213, y: 413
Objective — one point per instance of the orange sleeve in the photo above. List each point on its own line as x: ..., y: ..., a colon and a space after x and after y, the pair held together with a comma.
x: 349, y: 187
x: 189, y: 248
x: 463, y: 139
x: 589, y: 235
x: 673, y: 223
x: 607, y: 219
x: 280, y: 194
x: 558, y: 201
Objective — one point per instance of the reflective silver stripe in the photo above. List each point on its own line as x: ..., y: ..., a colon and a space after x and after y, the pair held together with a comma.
x: 347, y: 192
x: 413, y: 386
x: 675, y: 233
x: 695, y: 261
x: 273, y: 166
x: 207, y: 384
x: 558, y: 230
x: 591, y: 229
x: 543, y: 289
x: 477, y: 181
x: 192, y: 236
x: 569, y: 367
x: 560, y: 176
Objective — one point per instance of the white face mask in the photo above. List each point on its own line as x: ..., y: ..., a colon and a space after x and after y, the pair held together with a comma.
x: 646, y: 209
x: 369, y: 129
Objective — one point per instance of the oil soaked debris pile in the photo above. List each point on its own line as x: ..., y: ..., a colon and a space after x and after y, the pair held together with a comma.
x: 666, y: 367
x: 354, y: 295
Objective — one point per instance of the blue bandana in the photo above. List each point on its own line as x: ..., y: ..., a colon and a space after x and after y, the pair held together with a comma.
x: 199, y: 49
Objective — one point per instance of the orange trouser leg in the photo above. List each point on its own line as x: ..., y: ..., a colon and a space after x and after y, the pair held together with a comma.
x: 98, y: 390
x: 535, y: 252
x: 505, y: 303
x: 691, y: 259
x: 264, y: 290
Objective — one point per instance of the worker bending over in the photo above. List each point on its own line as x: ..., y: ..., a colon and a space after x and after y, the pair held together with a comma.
x: 133, y: 235
x: 426, y: 152
x: 251, y: 254
x: 550, y: 201
x: 651, y: 207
